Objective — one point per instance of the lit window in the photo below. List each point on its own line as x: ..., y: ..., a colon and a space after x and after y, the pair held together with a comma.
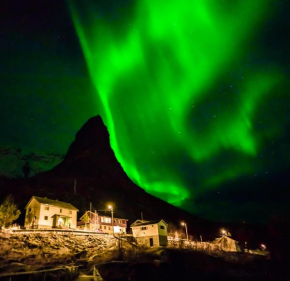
x: 46, y: 218
x: 107, y: 220
x: 60, y: 210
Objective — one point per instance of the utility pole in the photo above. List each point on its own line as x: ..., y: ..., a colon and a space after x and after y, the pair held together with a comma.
x: 95, y: 220
x: 75, y: 186
x: 90, y: 215
x: 112, y: 213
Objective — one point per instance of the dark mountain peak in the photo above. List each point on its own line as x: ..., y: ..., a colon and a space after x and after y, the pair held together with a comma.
x: 92, y: 136
x: 90, y: 154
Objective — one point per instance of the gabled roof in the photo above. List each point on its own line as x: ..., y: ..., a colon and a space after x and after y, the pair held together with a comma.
x: 53, y: 203
x: 142, y: 222
x: 100, y: 215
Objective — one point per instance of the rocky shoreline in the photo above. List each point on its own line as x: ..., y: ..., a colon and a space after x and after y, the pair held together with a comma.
x: 102, y: 254
x: 21, y: 252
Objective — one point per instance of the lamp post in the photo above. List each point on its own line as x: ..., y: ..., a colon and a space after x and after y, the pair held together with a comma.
x: 112, y: 213
x: 185, y: 225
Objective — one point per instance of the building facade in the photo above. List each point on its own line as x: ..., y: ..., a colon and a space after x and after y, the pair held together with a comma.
x: 43, y: 213
x: 150, y: 233
x: 93, y: 221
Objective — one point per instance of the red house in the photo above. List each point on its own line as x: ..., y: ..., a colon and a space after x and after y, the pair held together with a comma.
x: 93, y: 221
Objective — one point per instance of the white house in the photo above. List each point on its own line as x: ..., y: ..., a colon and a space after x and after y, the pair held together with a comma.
x: 150, y: 233
x: 43, y: 213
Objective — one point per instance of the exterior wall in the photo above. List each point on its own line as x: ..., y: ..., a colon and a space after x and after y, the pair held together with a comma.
x: 158, y: 232
x: 32, y: 214
x: 163, y: 240
x: 74, y: 219
x: 104, y: 223
x: 152, y: 230
x: 109, y: 229
x: 60, y: 212
x: 162, y: 230
x: 145, y: 241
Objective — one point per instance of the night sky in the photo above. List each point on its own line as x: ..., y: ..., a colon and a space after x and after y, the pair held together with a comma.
x: 195, y: 94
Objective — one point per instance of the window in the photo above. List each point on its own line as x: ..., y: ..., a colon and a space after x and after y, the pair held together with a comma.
x: 162, y: 227
x: 60, y: 210
x: 46, y: 218
x: 109, y: 228
x: 70, y: 212
x: 104, y: 227
x: 105, y: 219
x: 29, y: 210
x: 46, y: 208
x: 100, y: 227
x: 143, y: 227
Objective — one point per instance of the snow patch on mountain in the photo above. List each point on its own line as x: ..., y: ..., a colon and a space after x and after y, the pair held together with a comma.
x: 15, y: 164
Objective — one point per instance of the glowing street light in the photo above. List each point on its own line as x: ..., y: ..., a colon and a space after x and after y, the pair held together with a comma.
x: 224, y: 232
x: 112, y: 213
x: 185, y: 225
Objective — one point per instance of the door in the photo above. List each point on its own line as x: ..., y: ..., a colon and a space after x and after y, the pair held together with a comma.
x: 151, y: 242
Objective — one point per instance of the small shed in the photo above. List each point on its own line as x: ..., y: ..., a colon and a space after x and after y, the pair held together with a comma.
x: 227, y: 244
x: 150, y: 233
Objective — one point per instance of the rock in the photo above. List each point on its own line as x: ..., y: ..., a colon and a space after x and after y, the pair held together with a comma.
x: 81, y: 255
x: 116, y: 270
x: 14, y: 267
x: 32, y: 245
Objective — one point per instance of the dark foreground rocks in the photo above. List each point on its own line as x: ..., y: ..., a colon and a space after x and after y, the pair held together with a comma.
x: 22, y: 252
x: 180, y: 264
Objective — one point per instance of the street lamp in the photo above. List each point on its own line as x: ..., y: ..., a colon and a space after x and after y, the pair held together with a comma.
x: 185, y: 225
x: 112, y: 213
x: 224, y: 232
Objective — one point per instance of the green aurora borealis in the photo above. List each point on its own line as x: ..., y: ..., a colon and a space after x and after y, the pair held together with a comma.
x: 195, y: 94
x: 157, y: 71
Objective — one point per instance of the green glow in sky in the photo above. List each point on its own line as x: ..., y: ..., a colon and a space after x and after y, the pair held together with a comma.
x: 178, y: 95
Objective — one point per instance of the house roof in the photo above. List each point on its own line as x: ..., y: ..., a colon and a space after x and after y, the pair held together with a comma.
x: 100, y: 215
x: 53, y: 202
x: 142, y: 222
